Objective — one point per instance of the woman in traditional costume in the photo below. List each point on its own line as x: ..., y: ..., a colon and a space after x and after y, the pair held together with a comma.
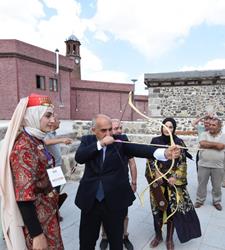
x: 169, y: 198
x: 29, y: 205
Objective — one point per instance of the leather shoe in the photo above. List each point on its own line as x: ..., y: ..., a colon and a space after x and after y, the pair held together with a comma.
x: 104, y: 244
x: 218, y: 206
x: 170, y: 245
x: 156, y: 241
x: 198, y: 204
x: 128, y: 245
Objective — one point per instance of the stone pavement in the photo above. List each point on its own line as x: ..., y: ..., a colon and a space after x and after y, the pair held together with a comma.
x: 141, y: 223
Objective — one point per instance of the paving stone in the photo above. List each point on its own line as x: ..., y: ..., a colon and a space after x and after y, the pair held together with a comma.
x: 140, y: 219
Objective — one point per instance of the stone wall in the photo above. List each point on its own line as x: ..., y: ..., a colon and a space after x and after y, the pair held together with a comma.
x: 140, y: 132
x: 151, y: 127
x: 187, y: 101
x: 2, y: 132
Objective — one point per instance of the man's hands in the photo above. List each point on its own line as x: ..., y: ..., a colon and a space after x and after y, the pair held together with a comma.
x: 172, y: 152
x: 107, y: 140
x: 40, y: 242
x: 133, y: 186
x: 212, y: 145
x: 220, y: 146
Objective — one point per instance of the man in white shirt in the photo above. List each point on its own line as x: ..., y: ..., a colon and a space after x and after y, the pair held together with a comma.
x: 211, y: 163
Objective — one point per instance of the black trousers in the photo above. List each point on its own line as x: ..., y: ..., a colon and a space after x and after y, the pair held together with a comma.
x: 90, y: 224
x: 197, y: 159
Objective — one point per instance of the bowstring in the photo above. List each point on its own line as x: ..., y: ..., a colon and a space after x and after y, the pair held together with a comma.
x: 173, y: 160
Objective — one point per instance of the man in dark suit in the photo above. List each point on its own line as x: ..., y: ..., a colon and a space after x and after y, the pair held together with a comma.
x: 104, y: 193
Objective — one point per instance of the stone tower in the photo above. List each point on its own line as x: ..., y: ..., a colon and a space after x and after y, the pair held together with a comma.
x: 73, y: 51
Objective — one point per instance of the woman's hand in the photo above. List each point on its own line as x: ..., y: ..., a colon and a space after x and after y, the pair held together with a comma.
x: 172, y: 180
x: 172, y: 152
x: 158, y: 175
x: 40, y: 242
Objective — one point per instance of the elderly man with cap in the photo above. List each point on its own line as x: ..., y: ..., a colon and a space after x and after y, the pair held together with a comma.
x: 29, y: 203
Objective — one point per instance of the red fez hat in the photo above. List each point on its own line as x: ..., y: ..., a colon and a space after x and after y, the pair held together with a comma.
x: 38, y: 100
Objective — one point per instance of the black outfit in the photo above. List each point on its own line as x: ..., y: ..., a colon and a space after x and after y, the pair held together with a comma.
x: 184, y: 219
x: 118, y: 195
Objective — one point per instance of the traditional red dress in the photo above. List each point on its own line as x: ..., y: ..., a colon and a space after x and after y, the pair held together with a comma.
x: 31, y: 183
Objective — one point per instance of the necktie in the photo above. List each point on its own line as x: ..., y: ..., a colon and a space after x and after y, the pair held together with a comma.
x: 100, y: 192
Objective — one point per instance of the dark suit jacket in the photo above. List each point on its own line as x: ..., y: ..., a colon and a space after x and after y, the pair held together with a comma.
x: 112, y: 172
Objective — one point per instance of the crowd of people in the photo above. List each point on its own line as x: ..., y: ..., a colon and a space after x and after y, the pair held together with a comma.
x: 31, y: 175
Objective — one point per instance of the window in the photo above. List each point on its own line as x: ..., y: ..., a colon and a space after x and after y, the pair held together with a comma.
x: 53, y: 84
x: 40, y: 82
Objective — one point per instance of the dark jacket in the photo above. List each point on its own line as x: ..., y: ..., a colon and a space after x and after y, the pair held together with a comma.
x: 112, y: 172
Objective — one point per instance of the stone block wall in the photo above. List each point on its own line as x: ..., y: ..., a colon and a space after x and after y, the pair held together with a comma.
x: 139, y: 131
x: 187, y: 101
x: 2, y: 132
x: 151, y: 127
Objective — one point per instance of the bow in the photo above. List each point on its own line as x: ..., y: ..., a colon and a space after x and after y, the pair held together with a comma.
x: 171, y: 142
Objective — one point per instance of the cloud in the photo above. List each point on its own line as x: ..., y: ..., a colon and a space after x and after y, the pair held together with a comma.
x: 100, y: 35
x: 151, y: 27
x: 215, y: 64
x: 154, y: 27
x: 140, y: 86
x: 108, y: 76
x: 90, y: 61
x: 29, y: 21
x: 19, y: 19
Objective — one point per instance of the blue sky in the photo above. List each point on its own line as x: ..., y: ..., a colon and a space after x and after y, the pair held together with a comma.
x: 123, y: 39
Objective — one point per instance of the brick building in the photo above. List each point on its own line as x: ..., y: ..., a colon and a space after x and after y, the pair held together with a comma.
x: 26, y: 69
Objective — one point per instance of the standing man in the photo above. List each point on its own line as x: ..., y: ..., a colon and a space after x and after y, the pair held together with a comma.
x: 211, y: 163
x: 104, y: 193
x: 117, y: 130
x: 201, y: 125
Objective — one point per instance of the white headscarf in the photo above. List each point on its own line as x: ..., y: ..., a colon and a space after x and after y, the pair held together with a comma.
x: 32, y: 118
x: 12, y: 221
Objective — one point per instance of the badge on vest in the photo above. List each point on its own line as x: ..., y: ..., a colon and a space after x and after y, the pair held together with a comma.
x: 56, y: 176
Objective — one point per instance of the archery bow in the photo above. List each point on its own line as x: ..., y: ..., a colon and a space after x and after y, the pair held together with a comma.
x: 172, y: 144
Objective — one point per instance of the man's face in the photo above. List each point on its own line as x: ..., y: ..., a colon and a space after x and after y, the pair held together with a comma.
x: 214, y: 127
x: 116, y: 128
x: 207, y: 123
x: 103, y: 128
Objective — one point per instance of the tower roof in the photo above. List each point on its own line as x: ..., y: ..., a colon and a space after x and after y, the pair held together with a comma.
x: 72, y: 38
